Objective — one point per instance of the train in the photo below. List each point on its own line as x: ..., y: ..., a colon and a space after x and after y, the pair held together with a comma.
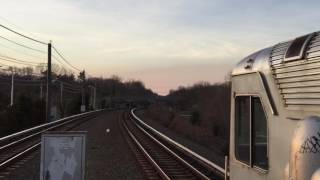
x: 275, y: 112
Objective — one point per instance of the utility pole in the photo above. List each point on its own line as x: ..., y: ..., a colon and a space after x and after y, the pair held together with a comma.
x: 94, y: 97
x: 83, y: 106
x: 12, y: 86
x: 41, y: 91
x: 61, y: 94
x: 61, y: 100
x: 49, y: 78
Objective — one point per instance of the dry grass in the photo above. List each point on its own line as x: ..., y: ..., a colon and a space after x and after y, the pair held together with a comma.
x: 203, y: 133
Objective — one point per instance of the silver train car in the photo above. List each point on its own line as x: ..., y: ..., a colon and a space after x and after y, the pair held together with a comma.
x: 275, y: 113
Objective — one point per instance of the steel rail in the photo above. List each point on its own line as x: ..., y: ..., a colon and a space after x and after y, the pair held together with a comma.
x: 200, y: 159
x: 202, y: 176
x: 36, y: 131
x: 16, y: 156
x: 161, y: 166
x: 14, y: 135
x: 146, y: 154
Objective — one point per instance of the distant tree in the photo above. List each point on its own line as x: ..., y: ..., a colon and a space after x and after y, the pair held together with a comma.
x: 195, y: 118
x: 82, y: 76
x: 116, y: 78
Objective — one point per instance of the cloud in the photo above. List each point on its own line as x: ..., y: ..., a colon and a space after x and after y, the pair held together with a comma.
x: 152, y: 38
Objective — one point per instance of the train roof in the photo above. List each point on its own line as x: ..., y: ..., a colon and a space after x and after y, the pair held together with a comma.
x: 294, y: 65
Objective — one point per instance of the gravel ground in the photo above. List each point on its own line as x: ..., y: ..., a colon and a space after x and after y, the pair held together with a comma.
x: 108, y: 154
x: 200, y: 149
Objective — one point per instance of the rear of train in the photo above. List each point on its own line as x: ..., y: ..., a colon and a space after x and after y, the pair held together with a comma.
x: 275, y: 113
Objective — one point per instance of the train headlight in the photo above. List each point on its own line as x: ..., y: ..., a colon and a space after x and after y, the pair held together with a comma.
x: 316, y: 175
x: 305, y: 149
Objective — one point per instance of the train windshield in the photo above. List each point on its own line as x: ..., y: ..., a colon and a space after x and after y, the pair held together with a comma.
x: 259, y: 136
x: 243, y: 129
x: 251, y: 132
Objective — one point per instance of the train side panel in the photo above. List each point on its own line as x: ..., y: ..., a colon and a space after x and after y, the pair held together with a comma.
x: 279, y: 132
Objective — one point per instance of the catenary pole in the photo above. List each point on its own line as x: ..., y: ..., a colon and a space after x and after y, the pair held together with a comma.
x: 12, y: 86
x: 49, y: 79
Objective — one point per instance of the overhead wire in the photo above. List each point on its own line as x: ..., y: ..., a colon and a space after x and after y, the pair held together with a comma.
x: 67, y: 83
x: 8, y: 70
x: 20, y: 84
x: 74, y: 92
x: 22, y: 45
x: 22, y: 80
x: 62, y: 64
x: 64, y: 59
x: 22, y: 35
x: 20, y: 60
x: 18, y: 27
x: 38, y: 41
x: 21, y: 52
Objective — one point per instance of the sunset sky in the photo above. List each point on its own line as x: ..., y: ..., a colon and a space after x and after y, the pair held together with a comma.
x: 164, y: 43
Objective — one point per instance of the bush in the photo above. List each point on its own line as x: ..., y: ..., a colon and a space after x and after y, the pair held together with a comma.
x: 195, y: 118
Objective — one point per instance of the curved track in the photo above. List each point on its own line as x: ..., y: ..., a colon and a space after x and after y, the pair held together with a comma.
x: 160, y: 159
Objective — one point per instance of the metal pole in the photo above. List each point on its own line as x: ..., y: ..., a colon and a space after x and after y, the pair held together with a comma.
x: 91, y: 95
x: 83, y: 107
x: 49, y: 78
x: 226, y: 168
x: 82, y: 96
x: 12, y: 86
x: 61, y: 100
x: 41, y: 92
x: 61, y: 94
x: 94, y: 97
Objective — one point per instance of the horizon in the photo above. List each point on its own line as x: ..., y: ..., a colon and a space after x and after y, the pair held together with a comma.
x: 164, y: 44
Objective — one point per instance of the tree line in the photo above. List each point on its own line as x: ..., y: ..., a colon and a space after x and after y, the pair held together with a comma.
x: 29, y: 102
x: 209, y: 104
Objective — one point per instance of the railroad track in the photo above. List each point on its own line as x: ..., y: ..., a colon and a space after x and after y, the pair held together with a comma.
x: 18, y: 147
x: 160, y: 158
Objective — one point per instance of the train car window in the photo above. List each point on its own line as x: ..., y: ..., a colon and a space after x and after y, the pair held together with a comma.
x: 242, y: 125
x: 297, y: 48
x: 259, y: 135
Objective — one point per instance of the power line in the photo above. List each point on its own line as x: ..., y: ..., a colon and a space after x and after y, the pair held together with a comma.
x: 38, y: 41
x: 65, y: 87
x: 19, y: 84
x: 32, y: 74
x: 21, y: 63
x: 21, y: 80
x: 73, y: 92
x: 21, y: 52
x: 30, y: 38
x: 10, y: 66
x: 64, y: 59
x: 62, y: 64
x: 22, y: 45
x: 67, y: 83
x: 18, y: 27
x: 71, y: 89
x: 11, y: 59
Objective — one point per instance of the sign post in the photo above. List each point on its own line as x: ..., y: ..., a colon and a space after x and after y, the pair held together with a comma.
x: 63, y: 156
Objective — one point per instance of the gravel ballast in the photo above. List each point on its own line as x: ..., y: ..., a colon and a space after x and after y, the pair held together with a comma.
x: 194, y: 146
x: 108, y: 154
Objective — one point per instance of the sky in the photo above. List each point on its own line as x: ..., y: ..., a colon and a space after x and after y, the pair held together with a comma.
x: 164, y: 43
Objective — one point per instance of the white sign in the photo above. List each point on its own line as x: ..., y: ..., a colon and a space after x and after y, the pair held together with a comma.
x: 63, y: 156
x: 83, y: 108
